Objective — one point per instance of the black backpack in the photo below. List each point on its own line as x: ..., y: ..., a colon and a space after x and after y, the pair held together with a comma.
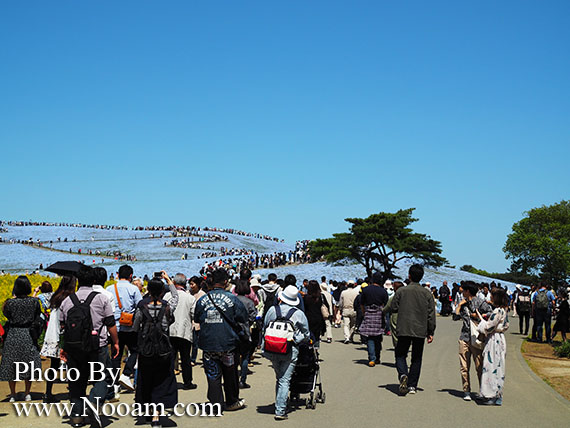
x: 79, y: 336
x: 153, y: 342
x: 269, y: 300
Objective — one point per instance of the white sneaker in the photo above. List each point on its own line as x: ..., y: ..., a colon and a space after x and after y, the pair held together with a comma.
x: 126, y: 382
x: 28, y: 397
x: 411, y: 390
x: 467, y: 396
x: 12, y: 398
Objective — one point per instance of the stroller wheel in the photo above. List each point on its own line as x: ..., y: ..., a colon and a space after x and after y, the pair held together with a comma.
x: 311, y: 401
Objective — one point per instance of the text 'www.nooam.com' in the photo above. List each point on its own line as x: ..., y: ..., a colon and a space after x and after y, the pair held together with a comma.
x: 117, y: 409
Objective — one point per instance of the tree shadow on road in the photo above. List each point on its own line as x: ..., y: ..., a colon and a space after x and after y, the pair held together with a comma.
x: 453, y: 392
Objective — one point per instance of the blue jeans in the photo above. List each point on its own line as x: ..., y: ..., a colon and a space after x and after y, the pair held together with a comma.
x: 543, y: 318
x: 374, y: 345
x: 284, y: 365
x: 244, y: 363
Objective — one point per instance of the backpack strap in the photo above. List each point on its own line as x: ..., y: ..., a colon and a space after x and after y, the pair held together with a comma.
x: 290, y: 313
x: 277, y: 312
x: 90, y: 298
x: 74, y: 299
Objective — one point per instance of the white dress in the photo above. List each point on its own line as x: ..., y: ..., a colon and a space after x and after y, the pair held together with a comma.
x: 494, y: 353
x: 50, y: 347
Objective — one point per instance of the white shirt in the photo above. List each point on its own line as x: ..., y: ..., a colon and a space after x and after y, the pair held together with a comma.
x: 111, y: 296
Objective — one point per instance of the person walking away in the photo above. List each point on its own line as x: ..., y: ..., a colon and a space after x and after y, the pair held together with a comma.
x: 87, y: 314
x: 563, y: 312
x: 22, y: 312
x: 314, y: 302
x: 50, y: 348
x: 156, y: 381
x: 416, y: 322
x: 181, y: 328
x: 543, y: 301
x: 128, y: 297
x: 268, y: 292
x: 243, y: 290
x: 374, y: 299
x: 467, y: 311
x: 495, y: 351
x: 197, y: 292
x: 282, y: 349
x: 523, y: 306
x: 346, y: 307
x: 217, y: 312
x: 46, y: 291
x: 327, y: 296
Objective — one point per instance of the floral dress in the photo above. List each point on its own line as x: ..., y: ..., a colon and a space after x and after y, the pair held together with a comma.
x: 19, y: 346
x: 494, y: 353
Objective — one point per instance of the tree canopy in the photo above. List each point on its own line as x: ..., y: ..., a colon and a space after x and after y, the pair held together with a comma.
x: 540, y: 243
x: 379, y: 242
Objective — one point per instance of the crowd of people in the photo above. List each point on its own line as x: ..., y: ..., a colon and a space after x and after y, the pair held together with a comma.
x: 229, y: 314
x: 175, y: 230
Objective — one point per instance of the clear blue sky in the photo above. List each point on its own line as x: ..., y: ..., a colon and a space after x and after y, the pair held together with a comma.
x: 285, y: 117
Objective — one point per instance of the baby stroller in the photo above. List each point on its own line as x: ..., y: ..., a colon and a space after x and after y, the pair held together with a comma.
x: 306, y: 378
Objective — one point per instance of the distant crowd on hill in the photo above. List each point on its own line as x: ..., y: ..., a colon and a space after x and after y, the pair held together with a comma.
x: 178, y: 229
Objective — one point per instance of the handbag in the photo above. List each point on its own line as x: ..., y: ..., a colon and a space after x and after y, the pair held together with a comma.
x: 126, y: 319
x: 241, y: 331
x: 475, y: 336
x: 325, y: 311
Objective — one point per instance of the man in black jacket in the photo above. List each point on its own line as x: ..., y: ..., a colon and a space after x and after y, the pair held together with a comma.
x: 416, y: 322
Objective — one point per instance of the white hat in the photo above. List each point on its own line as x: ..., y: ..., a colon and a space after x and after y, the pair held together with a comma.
x: 254, y: 282
x: 290, y: 295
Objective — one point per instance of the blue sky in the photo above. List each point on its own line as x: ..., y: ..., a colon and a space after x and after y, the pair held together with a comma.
x: 287, y: 117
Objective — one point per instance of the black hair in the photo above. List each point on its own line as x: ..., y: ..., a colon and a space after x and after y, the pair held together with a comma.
x: 67, y: 286
x: 377, y: 278
x: 314, y: 290
x: 290, y: 280
x: 125, y: 272
x: 470, y: 286
x: 242, y: 288
x: 46, y: 287
x: 85, y: 276
x: 155, y: 288
x: 272, y: 277
x: 196, y: 280
x: 100, y: 275
x: 219, y: 276
x: 416, y: 272
x: 22, y: 286
x: 245, y: 274
x: 323, y: 278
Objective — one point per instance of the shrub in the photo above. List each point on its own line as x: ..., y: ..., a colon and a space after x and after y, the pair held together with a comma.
x: 563, y: 350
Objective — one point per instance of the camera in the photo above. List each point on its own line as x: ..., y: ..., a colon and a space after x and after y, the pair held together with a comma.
x: 158, y: 275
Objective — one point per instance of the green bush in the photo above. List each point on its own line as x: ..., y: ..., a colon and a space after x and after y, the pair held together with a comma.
x: 563, y: 350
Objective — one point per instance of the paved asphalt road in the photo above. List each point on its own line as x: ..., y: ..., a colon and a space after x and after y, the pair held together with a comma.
x: 360, y: 396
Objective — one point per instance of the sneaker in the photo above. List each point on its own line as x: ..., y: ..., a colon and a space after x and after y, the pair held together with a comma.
x: 467, y: 396
x: 346, y: 341
x: 412, y: 390
x: 28, y: 397
x: 12, y: 399
x: 126, y: 382
x: 403, y: 385
x: 498, y: 401
x: 329, y: 340
x: 281, y: 417
x: 243, y: 385
x: 115, y: 398
x: 240, y: 404
x: 190, y: 386
x: 371, y: 363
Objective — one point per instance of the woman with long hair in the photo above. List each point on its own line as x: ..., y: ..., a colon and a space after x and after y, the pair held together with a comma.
x: 495, y: 351
x: 22, y: 312
x: 313, y: 301
x: 50, y: 348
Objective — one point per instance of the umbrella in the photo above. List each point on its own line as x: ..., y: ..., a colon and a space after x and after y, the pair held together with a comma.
x: 65, y: 268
